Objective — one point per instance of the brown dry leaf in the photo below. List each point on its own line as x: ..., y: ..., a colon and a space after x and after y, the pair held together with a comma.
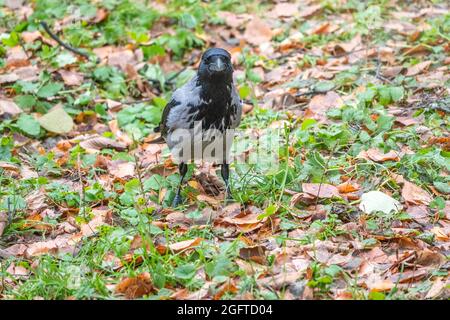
x: 418, y: 68
x: 3, y: 222
x: 209, y: 200
x: 184, y: 245
x: 97, y: 143
x: 227, y: 287
x: 440, y: 234
x: 284, y: 9
x: 302, y: 197
x: 257, y: 32
x: 36, y: 201
x: 348, y: 47
x: 17, y: 249
x: 415, y: 195
x: 30, y: 36
x: 321, y: 29
x: 320, y: 104
x: 420, y: 49
x: 121, y: 168
x: 390, y: 72
x: 9, y: 166
x: 348, y: 187
x: 60, y: 244
x: 377, y: 156
x: 381, y: 285
x: 234, y: 20
x: 16, y: 57
x: 436, y: 289
x: 409, y: 276
x: 9, y: 108
x: 14, y: 4
x: 428, y: 258
x: 121, y: 58
x: 100, y: 15
x: 323, y: 190
x: 101, y: 217
x: 135, y: 287
x: 71, y: 78
x: 280, y: 280
x: 309, y: 11
x: 419, y: 213
x: 7, y: 78
x: 407, y: 121
x: 121, y: 136
x: 254, y: 253
x: 249, y: 216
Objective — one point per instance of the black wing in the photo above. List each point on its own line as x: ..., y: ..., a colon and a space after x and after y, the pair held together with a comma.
x: 162, y: 125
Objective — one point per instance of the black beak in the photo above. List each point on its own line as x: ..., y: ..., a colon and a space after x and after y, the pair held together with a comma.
x: 218, y: 65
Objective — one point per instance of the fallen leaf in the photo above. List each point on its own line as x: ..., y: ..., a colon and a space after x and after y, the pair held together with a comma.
x: 9, y: 108
x: 3, y: 222
x: 418, y: 68
x: 415, y: 195
x: 409, y: 276
x: 436, y: 289
x: 234, y: 20
x: 257, y: 32
x: 101, y: 216
x: 30, y: 36
x: 320, y: 190
x: 135, y: 287
x: 348, y: 187
x: 254, y: 253
x: 440, y: 234
x: 309, y: 11
x: 16, y: 57
x: 284, y: 9
x: 227, y: 287
x: 57, y: 121
x: 71, y: 78
x: 60, y: 244
x: 97, y: 143
x: 280, y: 280
x: 121, y: 168
x: 377, y: 156
x: 184, y: 245
x: 321, y: 103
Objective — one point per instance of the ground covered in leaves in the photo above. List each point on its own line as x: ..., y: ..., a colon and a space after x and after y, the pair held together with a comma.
x: 352, y: 203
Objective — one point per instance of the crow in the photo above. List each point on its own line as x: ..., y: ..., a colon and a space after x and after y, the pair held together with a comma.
x: 200, y: 118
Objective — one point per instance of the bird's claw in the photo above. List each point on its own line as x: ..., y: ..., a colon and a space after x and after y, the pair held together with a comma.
x: 177, y: 201
x: 228, y: 197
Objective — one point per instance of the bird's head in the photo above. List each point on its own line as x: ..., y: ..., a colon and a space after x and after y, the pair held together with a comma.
x: 216, y: 65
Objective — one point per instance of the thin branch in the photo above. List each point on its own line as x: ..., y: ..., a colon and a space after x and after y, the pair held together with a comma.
x: 324, y: 171
x: 61, y: 43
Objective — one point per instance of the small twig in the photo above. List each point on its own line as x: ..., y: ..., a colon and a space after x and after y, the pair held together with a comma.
x: 378, y: 74
x: 141, y: 184
x: 175, y: 75
x: 61, y: 43
x: 323, y: 174
x: 137, y: 101
x: 82, y: 202
x: 10, y: 214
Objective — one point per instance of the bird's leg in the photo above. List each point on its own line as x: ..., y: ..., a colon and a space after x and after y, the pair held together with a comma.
x: 225, y: 171
x: 182, y: 167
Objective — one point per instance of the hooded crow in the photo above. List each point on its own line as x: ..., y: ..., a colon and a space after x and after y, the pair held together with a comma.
x: 199, y: 120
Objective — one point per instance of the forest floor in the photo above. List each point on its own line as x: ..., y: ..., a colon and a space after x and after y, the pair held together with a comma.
x: 340, y: 184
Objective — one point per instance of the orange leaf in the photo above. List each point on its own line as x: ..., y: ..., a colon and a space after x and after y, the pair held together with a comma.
x: 135, y: 287
x: 323, y: 190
